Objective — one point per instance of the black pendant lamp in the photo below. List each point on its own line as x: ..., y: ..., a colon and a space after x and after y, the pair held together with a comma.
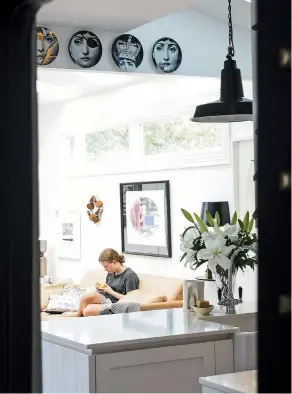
x: 232, y: 105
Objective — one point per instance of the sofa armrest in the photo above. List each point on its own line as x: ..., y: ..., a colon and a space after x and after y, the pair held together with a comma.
x: 161, y: 305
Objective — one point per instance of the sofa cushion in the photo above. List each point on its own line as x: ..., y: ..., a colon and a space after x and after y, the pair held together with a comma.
x: 63, y: 303
x: 142, y: 297
x: 178, y: 294
x: 47, y: 289
x: 165, y: 286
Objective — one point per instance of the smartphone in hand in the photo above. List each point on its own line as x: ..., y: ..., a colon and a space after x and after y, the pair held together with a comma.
x: 100, y: 286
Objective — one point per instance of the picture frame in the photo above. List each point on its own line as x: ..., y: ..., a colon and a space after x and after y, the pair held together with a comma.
x: 145, y: 218
x: 69, y: 235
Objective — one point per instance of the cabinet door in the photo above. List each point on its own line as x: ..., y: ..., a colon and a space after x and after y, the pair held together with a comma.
x: 174, y: 369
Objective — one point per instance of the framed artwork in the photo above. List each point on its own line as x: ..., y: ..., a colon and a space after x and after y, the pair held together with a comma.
x: 166, y: 55
x: 69, y: 235
x: 47, y: 46
x: 85, y: 49
x: 145, y: 218
x: 127, y: 52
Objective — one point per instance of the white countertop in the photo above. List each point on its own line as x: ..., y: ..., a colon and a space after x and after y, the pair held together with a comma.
x: 133, y: 328
x: 245, y: 308
x: 239, y: 382
x: 245, y: 317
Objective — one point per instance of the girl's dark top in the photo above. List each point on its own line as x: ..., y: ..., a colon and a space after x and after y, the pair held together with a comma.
x: 121, y: 283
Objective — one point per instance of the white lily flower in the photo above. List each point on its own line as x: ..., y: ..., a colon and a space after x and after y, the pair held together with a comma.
x: 216, y: 252
x: 189, y: 258
x: 209, y: 235
x: 191, y: 234
x: 228, y: 230
x: 187, y: 240
x: 186, y: 247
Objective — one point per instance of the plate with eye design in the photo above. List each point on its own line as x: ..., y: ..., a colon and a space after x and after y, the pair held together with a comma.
x: 85, y: 49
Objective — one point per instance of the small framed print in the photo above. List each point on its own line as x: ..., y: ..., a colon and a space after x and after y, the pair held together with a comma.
x: 145, y: 218
x: 69, y: 235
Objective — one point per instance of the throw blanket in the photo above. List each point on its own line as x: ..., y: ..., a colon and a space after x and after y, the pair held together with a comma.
x: 121, y: 308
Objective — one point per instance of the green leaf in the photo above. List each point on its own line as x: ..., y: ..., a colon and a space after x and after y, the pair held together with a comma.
x: 187, y: 215
x: 250, y: 226
x: 217, y: 218
x: 202, y: 226
x: 246, y: 221
x: 209, y: 219
x: 241, y: 225
x: 234, y: 218
x: 182, y: 257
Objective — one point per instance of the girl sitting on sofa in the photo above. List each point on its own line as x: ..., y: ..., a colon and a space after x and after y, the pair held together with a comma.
x: 120, y: 280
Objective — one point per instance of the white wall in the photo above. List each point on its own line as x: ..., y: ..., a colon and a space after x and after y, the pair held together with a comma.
x: 188, y: 188
x: 49, y: 176
x: 244, y: 168
x: 203, y: 41
x: 245, y: 201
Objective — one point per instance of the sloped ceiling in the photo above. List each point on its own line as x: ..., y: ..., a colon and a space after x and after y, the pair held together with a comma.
x: 125, y: 15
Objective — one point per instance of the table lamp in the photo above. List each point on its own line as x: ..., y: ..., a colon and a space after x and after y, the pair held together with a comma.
x: 222, y: 207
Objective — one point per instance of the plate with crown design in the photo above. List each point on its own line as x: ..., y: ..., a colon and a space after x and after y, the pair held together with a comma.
x: 127, y: 52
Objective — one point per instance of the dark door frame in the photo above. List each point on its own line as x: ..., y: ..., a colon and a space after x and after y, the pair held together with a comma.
x: 20, y: 321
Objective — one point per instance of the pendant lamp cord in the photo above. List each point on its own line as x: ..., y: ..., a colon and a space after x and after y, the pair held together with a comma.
x: 231, y: 50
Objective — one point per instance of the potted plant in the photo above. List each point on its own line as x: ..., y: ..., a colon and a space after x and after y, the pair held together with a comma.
x: 215, y: 245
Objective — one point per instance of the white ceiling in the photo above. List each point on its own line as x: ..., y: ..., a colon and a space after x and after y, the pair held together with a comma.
x: 108, y: 14
x: 128, y: 14
x: 218, y: 9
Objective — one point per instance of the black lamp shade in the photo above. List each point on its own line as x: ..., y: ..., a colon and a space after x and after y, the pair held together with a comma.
x: 232, y: 105
x: 222, y: 207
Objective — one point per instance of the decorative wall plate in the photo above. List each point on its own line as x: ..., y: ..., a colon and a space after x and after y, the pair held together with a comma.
x: 47, y: 46
x: 85, y: 49
x: 127, y: 52
x: 166, y: 55
x: 94, y: 209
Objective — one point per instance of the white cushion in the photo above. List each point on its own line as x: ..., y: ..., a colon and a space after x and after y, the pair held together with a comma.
x: 63, y: 303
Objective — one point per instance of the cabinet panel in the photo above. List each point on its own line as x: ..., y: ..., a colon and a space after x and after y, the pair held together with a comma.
x: 224, y: 357
x: 67, y: 371
x: 170, y: 369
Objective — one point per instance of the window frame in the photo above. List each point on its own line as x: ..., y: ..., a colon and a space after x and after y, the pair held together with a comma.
x: 157, y: 162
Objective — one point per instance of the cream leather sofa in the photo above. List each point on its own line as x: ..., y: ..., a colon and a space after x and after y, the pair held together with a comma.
x: 154, y: 292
